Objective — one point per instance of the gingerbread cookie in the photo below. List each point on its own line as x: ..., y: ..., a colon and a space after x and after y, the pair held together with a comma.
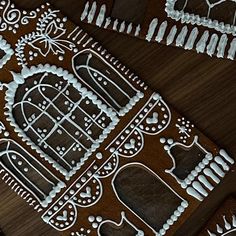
x: 86, y: 143
x: 223, y: 222
x: 196, y: 25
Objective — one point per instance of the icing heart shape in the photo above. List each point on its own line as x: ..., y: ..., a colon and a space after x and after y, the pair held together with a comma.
x: 153, y: 119
x: 86, y: 194
x: 131, y: 144
x: 108, y: 166
x: 63, y: 217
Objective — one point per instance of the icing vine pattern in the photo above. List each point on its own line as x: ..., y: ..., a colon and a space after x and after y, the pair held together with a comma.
x: 49, y: 38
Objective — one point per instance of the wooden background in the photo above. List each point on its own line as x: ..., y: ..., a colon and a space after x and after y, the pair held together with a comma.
x: 200, y: 87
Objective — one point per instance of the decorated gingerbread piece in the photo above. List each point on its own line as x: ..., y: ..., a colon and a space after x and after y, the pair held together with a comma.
x: 199, y: 25
x: 223, y: 222
x: 83, y: 138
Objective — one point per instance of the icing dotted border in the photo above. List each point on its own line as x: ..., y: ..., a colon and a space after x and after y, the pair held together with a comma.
x: 197, y: 183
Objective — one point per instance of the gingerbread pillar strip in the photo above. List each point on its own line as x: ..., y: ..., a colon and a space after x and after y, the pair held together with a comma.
x: 201, y: 26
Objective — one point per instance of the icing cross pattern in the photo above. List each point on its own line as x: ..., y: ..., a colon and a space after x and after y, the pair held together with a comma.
x: 89, y: 123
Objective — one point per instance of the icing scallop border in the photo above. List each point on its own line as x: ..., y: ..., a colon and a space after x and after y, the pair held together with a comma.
x: 7, y: 49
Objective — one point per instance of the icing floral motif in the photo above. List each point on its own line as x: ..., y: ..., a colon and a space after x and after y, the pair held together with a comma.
x: 94, y: 127
x: 12, y: 17
x: 49, y: 38
x: 185, y: 128
x: 182, y: 13
x: 227, y: 229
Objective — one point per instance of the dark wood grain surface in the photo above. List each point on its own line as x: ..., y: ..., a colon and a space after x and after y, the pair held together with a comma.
x: 200, y: 87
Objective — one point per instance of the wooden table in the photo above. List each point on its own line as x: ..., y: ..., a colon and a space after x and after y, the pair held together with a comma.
x: 200, y: 87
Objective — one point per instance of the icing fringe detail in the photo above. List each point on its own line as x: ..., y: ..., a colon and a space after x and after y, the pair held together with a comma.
x: 16, y: 187
x: 217, y: 45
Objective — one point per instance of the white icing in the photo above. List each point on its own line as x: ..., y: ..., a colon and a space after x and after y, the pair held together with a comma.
x: 193, y: 19
x: 151, y: 30
x: 91, y: 71
x: 209, y: 173
x: 108, y: 22
x: 176, y: 214
x: 222, y: 45
x: 227, y: 228
x: 217, y: 169
x: 137, y: 30
x: 211, y: 47
x: 6, y: 48
x: 123, y: 220
x: 92, y: 12
x: 47, y: 39
x: 206, y: 183
x: 136, y: 127
x: 168, y: 149
x: 85, y: 12
x: 199, y: 188
x: 232, y: 50
x: 201, y: 45
x: 171, y: 35
x: 181, y: 37
x: 192, y: 192
x: 221, y: 162
x: 101, y: 16
x: 122, y: 27
x: 11, y: 17
x: 192, y: 38
x: 225, y: 155
x: 19, y: 79
x: 161, y: 31
x: 56, y: 188
x: 129, y: 29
